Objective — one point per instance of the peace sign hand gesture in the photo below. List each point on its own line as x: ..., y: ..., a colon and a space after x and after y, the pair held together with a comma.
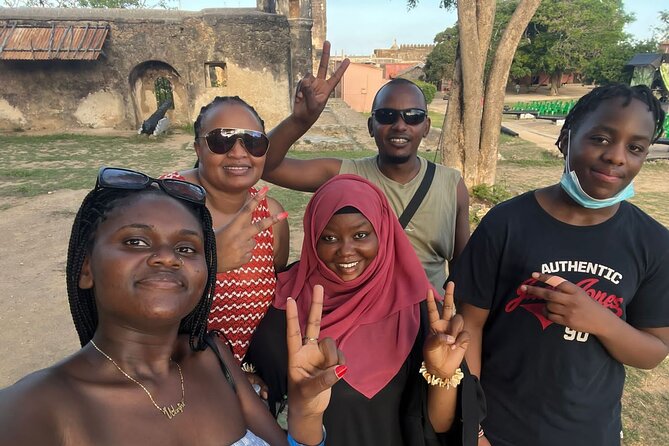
x: 235, y: 241
x: 314, y: 365
x: 445, y: 347
x: 313, y: 92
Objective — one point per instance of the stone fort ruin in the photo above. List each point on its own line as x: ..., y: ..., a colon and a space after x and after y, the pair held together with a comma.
x: 111, y: 68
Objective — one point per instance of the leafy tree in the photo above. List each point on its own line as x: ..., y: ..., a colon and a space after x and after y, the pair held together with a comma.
x: 470, y: 134
x: 429, y: 90
x: 610, y: 66
x: 663, y: 29
x: 565, y: 35
x: 440, y: 62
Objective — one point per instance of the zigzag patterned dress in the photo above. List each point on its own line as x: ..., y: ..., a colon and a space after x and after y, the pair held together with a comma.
x: 243, y: 295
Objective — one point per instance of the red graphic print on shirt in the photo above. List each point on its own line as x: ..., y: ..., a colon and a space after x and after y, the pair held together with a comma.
x: 536, y: 305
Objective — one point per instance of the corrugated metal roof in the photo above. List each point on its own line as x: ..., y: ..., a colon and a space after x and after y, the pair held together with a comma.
x: 641, y: 59
x: 63, y: 42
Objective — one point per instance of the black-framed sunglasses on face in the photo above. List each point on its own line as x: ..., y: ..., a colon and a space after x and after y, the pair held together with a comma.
x: 388, y: 116
x: 221, y: 141
x: 118, y: 178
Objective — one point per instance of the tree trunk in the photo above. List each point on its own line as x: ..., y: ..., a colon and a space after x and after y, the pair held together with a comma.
x: 556, y: 82
x: 495, y: 87
x: 470, y: 133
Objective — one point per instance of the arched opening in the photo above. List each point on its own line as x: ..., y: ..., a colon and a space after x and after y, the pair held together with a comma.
x: 151, y: 83
x: 163, y: 90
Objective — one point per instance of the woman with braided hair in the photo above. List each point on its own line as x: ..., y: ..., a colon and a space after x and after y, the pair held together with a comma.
x: 140, y: 277
x: 563, y: 286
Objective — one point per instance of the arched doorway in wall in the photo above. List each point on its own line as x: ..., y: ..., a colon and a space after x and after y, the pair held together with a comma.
x: 151, y: 83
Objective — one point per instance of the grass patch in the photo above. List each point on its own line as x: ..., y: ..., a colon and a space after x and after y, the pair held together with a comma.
x: 491, y: 194
x: 436, y: 118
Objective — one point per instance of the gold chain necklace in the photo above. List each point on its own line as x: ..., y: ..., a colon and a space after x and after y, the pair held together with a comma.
x: 171, y: 411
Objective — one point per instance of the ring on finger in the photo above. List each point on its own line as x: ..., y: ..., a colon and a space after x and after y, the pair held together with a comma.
x: 308, y: 339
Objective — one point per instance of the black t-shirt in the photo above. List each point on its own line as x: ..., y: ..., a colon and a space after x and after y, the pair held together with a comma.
x: 395, y: 416
x: 546, y: 384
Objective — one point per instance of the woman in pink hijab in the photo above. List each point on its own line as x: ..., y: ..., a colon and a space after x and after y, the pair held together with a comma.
x: 404, y: 358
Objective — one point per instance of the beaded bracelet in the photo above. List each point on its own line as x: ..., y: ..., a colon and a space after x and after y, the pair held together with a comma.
x: 292, y: 442
x: 432, y: 380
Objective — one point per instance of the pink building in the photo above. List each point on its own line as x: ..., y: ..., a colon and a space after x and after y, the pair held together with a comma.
x: 359, y: 85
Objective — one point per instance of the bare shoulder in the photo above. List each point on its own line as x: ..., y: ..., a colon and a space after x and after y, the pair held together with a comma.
x: 274, y: 206
x: 190, y: 175
x: 31, y: 409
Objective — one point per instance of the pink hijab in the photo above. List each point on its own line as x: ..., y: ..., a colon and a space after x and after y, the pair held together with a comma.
x: 374, y: 318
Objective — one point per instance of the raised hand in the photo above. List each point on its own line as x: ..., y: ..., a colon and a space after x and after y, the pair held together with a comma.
x: 313, y: 92
x: 445, y: 347
x: 314, y: 365
x: 568, y: 304
x: 235, y: 241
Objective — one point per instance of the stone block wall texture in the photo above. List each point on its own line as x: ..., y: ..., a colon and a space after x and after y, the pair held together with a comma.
x: 409, y: 53
x: 116, y: 90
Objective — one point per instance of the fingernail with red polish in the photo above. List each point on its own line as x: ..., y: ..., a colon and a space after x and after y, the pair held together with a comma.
x: 340, y: 370
x: 264, y: 190
x: 282, y: 216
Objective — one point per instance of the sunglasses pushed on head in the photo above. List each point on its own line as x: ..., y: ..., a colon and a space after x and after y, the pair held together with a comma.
x: 118, y: 178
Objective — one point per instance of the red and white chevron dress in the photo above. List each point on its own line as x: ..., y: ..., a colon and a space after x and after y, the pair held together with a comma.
x: 243, y: 295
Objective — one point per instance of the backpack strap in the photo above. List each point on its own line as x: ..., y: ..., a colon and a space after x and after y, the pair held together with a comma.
x: 224, y: 368
x: 418, y: 197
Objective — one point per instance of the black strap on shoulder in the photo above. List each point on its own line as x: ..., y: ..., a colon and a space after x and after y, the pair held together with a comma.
x: 418, y: 197
x: 226, y: 372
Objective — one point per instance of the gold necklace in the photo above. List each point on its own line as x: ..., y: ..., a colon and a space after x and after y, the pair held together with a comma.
x: 171, y: 411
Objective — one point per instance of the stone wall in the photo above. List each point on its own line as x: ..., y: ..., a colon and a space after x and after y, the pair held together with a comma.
x: 407, y: 53
x: 251, y: 48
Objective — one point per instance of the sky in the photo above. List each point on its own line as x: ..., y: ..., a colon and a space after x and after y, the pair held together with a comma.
x: 356, y: 27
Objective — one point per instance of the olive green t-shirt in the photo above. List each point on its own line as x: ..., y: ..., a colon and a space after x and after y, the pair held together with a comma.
x: 432, y: 228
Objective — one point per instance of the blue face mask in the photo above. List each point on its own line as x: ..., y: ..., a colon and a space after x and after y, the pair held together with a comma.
x: 570, y: 184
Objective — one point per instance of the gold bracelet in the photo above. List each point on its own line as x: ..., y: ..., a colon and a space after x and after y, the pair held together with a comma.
x: 432, y: 380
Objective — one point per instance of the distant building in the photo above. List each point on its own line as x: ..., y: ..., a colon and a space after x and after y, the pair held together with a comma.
x: 367, y: 74
x: 405, y: 53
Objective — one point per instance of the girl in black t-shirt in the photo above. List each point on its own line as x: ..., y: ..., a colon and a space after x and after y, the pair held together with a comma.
x: 563, y: 285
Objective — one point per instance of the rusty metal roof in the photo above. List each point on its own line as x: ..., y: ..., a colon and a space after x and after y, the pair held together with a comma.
x: 49, y: 42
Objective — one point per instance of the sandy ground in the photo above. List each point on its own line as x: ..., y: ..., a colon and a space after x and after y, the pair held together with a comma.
x: 34, y: 315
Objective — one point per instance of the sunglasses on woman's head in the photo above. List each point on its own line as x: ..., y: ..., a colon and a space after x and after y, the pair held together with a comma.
x: 117, y: 178
x: 221, y: 141
x: 388, y: 116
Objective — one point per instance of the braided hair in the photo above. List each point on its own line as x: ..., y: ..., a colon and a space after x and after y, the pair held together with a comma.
x: 94, y: 210
x: 591, y: 101
x: 219, y: 100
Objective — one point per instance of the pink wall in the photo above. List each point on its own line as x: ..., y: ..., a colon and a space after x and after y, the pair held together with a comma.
x: 392, y: 69
x: 359, y: 85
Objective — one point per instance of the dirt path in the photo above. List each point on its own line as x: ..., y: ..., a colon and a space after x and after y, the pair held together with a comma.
x: 37, y: 327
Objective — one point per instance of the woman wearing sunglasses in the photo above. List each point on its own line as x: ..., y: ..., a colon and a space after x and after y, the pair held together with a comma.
x: 141, y: 270
x: 252, y: 231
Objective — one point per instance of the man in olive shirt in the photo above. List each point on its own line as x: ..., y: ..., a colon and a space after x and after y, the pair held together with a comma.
x: 439, y: 229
